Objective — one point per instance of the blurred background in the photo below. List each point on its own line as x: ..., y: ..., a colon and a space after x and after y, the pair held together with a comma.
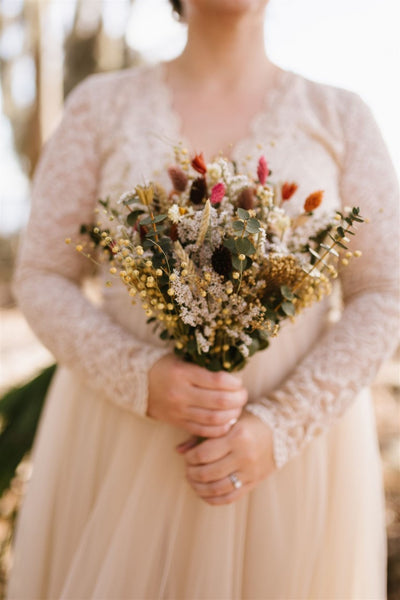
x: 48, y: 46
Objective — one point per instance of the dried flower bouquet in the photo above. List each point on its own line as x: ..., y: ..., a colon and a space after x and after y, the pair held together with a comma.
x: 217, y: 261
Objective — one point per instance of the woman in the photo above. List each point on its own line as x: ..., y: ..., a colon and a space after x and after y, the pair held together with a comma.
x: 284, y: 499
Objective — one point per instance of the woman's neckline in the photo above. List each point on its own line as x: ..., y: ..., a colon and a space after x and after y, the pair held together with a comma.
x: 272, y: 101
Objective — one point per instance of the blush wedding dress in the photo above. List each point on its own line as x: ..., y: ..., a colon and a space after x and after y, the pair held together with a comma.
x: 108, y: 513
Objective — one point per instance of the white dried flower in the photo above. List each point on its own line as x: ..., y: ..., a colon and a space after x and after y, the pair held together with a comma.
x: 174, y: 214
x: 266, y: 195
x: 214, y: 173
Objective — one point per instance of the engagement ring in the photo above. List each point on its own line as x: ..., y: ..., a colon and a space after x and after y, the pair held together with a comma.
x: 235, y: 481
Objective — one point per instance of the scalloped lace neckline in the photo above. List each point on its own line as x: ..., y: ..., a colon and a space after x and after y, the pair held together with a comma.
x: 272, y: 102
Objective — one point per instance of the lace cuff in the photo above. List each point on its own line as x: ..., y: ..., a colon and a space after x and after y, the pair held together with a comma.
x: 280, y: 450
x: 136, y: 399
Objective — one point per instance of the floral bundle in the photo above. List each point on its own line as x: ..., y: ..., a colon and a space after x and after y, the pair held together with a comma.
x: 217, y: 262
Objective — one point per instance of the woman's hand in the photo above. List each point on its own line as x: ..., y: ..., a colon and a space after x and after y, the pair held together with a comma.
x: 245, y: 451
x: 203, y: 403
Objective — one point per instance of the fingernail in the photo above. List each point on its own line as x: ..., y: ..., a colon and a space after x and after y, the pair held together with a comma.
x: 232, y: 422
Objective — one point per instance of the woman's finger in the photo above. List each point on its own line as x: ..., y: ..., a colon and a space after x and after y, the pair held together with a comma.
x: 217, y: 399
x: 212, y: 417
x: 230, y: 497
x: 208, y: 451
x: 221, y: 380
x: 212, y: 471
x: 205, y: 431
x: 222, y: 487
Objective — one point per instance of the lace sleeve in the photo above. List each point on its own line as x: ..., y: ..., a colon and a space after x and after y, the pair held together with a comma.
x: 348, y: 356
x: 49, y: 273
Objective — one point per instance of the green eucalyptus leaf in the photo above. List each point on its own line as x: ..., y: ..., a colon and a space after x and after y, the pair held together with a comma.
x: 270, y: 315
x: 238, y: 265
x: 166, y: 244
x: 253, y: 226
x: 159, y: 218
x: 238, y: 226
x: 341, y: 232
x: 243, y: 214
x: 330, y: 250
x: 133, y: 217
x: 287, y: 292
x: 244, y: 246
x: 230, y: 244
x: 147, y: 243
x: 288, y: 309
x: 254, y: 347
x: 314, y: 253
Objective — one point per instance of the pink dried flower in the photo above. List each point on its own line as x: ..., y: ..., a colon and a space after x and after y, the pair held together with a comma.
x: 262, y: 170
x: 178, y: 177
x: 217, y: 193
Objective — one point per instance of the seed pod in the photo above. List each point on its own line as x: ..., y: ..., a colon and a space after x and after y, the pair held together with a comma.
x: 246, y: 198
x: 222, y: 261
x: 198, y: 191
x: 178, y: 177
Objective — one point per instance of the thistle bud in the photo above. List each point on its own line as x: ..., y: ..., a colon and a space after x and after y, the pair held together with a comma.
x: 246, y: 198
x: 198, y: 191
x: 178, y: 178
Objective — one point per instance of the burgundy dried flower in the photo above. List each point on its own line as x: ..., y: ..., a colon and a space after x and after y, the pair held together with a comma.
x: 178, y: 177
x: 199, y: 165
x: 198, y: 191
x: 288, y: 189
x: 217, y: 193
x: 313, y: 201
x: 221, y: 261
x: 143, y: 230
x: 173, y: 232
x: 262, y: 170
x: 246, y: 198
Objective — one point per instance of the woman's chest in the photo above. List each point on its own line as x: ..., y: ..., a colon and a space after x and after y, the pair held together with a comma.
x: 142, y: 144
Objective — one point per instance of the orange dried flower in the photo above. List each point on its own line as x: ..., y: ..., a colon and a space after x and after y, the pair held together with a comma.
x: 199, y: 165
x: 288, y: 189
x: 313, y: 201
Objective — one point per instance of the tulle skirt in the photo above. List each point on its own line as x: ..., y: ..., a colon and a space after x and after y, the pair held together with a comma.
x: 109, y: 514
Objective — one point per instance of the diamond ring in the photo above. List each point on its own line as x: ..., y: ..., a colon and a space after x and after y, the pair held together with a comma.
x: 236, y: 482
